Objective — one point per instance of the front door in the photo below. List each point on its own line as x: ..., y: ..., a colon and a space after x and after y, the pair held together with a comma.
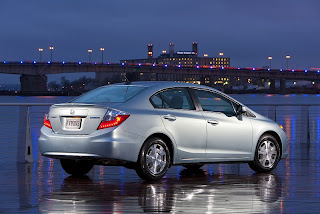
x: 229, y: 136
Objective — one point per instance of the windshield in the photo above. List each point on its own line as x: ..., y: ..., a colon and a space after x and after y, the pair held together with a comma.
x: 110, y: 94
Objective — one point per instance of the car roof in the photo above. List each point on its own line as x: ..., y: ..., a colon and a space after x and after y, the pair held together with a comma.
x: 165, y: 84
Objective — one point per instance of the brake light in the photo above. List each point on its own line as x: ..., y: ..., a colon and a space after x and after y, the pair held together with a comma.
x: 113, y: 118
x: 46, y: 121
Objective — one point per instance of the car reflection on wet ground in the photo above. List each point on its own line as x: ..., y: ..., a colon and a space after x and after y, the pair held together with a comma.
x: 193, y: 192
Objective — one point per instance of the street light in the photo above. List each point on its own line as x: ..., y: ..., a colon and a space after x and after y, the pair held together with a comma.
x: 288, y: 57
x: 220, y: 54
x: 101, y: 49
x: 40, y: 51
x: 51, y: 49
x: 89, y: 52
x: 270, y: 58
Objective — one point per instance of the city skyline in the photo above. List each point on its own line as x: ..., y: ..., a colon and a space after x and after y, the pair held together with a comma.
x: 246, y: 31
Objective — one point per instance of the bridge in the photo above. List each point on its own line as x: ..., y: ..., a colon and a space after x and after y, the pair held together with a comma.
x: 34, y: 74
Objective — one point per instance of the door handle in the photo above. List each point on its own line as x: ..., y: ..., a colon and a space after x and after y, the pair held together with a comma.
x: 169, y: 117
x: 213, y: 122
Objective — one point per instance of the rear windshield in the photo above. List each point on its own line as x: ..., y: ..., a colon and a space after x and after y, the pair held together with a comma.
x: 109, y: 94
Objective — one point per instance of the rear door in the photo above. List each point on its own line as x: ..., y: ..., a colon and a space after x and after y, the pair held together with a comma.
x: 183, y: 121
x: 229, y: 136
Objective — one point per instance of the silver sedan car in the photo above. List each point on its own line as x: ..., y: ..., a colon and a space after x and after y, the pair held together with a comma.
x: 149, y: 126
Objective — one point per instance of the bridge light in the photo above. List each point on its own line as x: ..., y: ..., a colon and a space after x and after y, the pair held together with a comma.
x: 21, y: 62
x: 281, y: 70
x: 153, y: 65
x: 165, y: 65
x: 268, y: 69
x: 122, y: 64
x: 79, y: 63
x: 34, y: 62
x: 318, y: 71
x: 198, y: 66
x: 292, y: 70
x: 63, y: 62
x: 49, y: 62
x: 211, y: 67
x: 238, y: 68
x: 305, y: 71
x: 253, y: 69
x: 139, y: 64
x: 6, y: 63
x: 179, y: 66
x: 102, y: 50
x: 222, y: 68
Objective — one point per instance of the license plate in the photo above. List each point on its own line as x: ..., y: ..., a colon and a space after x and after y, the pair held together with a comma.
x: 73, y: 123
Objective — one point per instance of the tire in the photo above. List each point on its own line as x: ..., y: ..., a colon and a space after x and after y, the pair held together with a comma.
x: 193, y: 167
x: 76, y: 167
x: 154, y: 159
x: 267, y: 154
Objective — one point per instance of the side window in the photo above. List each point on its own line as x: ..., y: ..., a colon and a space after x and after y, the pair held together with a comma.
x: 176, y: 98
x: 211, y: 101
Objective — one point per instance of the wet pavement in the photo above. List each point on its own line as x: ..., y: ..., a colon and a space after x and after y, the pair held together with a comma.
x: 217, y: 188
x: 43, y: 187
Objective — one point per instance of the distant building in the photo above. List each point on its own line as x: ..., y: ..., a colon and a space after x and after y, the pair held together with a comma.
x: 185, y: 58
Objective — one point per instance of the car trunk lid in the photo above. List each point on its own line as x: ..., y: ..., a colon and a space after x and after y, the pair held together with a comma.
x: 76, y: 118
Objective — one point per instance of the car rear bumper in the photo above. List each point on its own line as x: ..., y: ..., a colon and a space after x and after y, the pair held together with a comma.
x: 102, y: 144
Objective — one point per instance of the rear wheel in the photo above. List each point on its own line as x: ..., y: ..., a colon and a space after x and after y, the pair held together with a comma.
x: 76, y: 167
x: 267, y: 154
x: 154, y: 159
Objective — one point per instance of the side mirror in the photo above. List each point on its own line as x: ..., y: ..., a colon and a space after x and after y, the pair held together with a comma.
x: 241, y: 110
x: 244, y: 109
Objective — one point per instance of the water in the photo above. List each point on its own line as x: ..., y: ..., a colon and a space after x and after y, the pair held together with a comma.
x: 43, y: 187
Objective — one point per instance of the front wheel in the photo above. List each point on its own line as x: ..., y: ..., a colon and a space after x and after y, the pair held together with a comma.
x: 154, y: 159
x: 267, y: 154
x: 76, y: 167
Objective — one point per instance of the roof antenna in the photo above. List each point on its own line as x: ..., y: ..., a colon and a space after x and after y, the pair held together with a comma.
x: 127, y: 80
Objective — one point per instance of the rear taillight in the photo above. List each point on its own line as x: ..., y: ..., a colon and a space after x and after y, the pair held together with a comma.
x: 46, y: 121
x: 113, y: 118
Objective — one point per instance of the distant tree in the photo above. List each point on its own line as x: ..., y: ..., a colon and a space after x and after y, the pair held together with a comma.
x: 65, y: 84
x: 54, y: 86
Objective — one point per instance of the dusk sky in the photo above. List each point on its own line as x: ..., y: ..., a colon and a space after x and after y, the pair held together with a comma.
x: 247, y: 31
